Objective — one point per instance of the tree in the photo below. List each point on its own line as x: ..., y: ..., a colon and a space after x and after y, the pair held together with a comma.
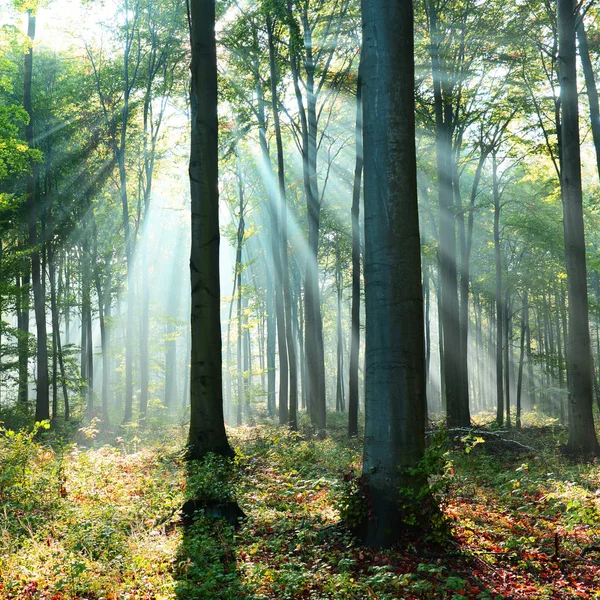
x: 582, y: 435
x: 42, y: 403
x: 207, y: 427
x: 395, y: 353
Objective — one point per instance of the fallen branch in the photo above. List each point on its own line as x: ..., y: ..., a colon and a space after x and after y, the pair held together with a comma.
x: 490, y: 435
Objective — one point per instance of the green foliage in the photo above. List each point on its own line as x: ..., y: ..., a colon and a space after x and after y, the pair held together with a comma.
x: 211, y: 478
x: 354, y: 503
x: 422, y: 506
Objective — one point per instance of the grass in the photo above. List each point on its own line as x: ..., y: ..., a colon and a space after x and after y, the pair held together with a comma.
x: 98, y: 521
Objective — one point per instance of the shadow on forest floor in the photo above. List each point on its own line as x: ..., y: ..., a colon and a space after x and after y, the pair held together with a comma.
x: 206, y: 565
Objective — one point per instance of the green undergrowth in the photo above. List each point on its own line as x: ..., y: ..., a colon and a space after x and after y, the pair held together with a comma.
x: 99, y: 520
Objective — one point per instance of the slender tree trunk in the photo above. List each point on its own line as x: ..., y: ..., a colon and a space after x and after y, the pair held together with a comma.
x: 559, y: 360
x: 356, y: 244
x: 499, y: 297
x: 590, y: 87
x: 22, y: 308
x: 144, y: 337
x: 42, y: 404
x: 271, y: 325
x: 524, y: 322
x: 507, y: 353
x: 292, y: 417
x: 582, y: 435
x: 530, y: 375
x: 339, y: 385
x: 457, y: 406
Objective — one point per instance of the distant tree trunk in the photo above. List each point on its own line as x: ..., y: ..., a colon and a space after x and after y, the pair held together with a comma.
x: 582, y: 435
x: 507, y: 353
x: 457, y: 406
x: 22, y: 309
x: 356, y: 244
x: 559, y: 360
x: 524, y: 325
x: 443, y: 407
x: 103, y: 293
x: 499, y: 298
x: 292, y: 417
x: 530, y: 375
x: 247, y: 363
x: 238, y: 274
x: 207, y: 426
x: 427, y: 303
x: 171, y: 344
x: 61, y: 364
x: 271, y: 326
x: 186, y: 398
x: 313, y: 325
x: 42, y: 403
x: 299, y: 327
x: 228, y: 411
x: 144, y: 336
x: 590, y: 87
x: 339, y: 387
x: 395, y: 352
x: 480, y: 355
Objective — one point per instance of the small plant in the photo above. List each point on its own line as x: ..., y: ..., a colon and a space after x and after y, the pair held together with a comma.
x: 354, y: 504
x: 423, y: 507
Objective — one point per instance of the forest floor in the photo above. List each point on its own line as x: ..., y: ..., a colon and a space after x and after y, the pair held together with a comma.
x: 99, y: 520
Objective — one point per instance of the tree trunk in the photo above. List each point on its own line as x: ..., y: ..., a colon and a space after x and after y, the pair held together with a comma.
x: 499, y: 297
x: 590, y: 87
x: 22, y: 309
x: 582, y: 435
x: 271, y: 325
x: 355, y: 309
x: 395, y: 352
x: 457, y: 407
x: 42, y: 403
x: 207, y: 427
x: 339, y: 384
x: 292, y: 417
x: 524, y: 323
x: 507, y: 353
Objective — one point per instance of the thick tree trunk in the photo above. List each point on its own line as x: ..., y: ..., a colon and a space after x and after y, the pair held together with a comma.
x: 395, y: 352
x: 207, y: 427
x: 582, y: 435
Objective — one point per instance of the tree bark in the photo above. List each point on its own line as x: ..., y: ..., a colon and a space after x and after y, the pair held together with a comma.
x: 207, y: 426
x: 582, y: 435
x: 395, y: 352
x: 356, y: 244
x: 457, y: 407
x: 499, y: 297
x: 42, y: 403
